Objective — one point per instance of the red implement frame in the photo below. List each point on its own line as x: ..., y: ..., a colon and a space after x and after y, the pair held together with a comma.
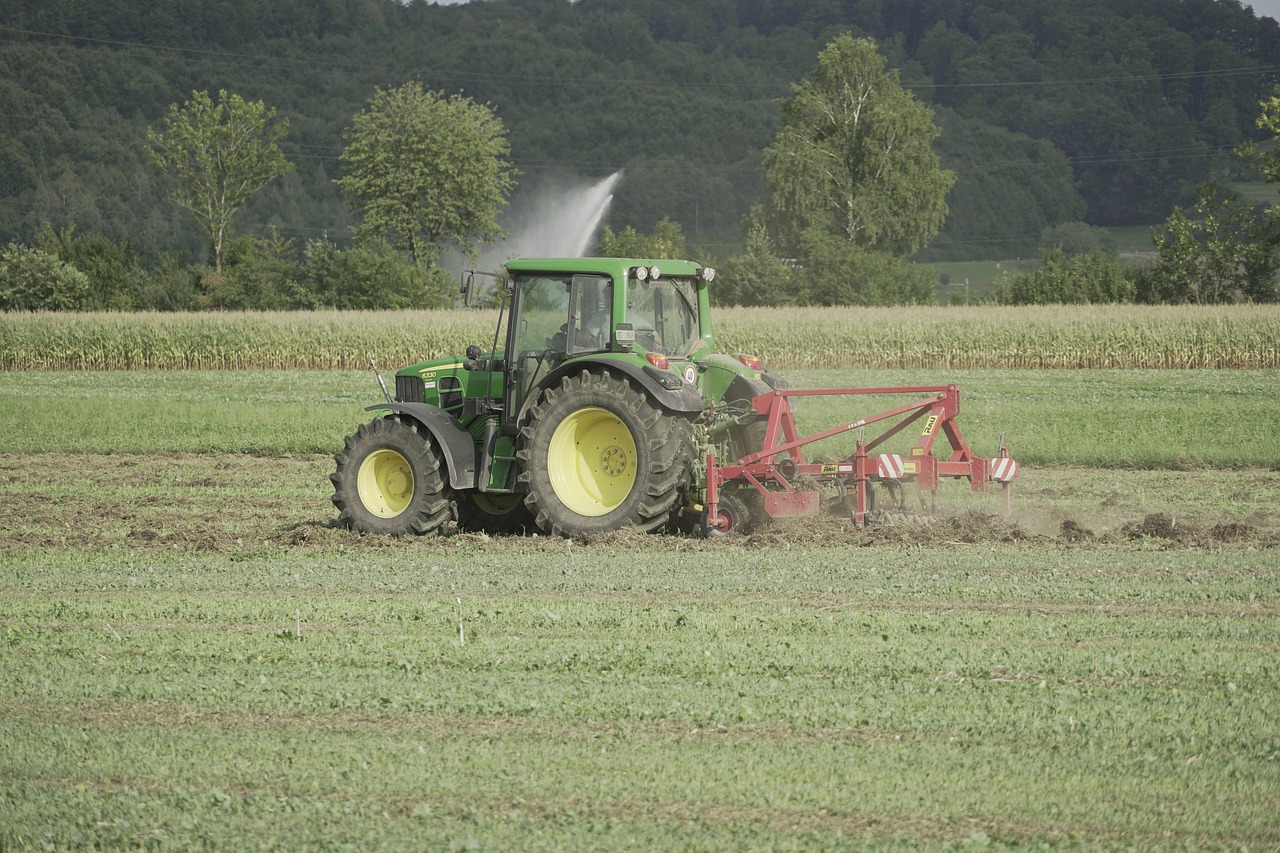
x: 771, y: 470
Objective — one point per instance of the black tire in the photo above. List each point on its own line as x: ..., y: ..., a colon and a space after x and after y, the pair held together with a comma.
x: 494, y: 513
x: 748, y: 436
x: 742, y: 439
x: 598, y: 455
x: 389, y: 480
x: 732, y: 517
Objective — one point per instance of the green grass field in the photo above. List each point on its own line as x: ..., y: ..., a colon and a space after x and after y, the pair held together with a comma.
x: 1109, y: 418
x: 975, y: 278
x: 194, y: 657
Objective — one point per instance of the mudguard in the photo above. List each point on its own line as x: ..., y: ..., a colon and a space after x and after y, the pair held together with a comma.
x: 684, y: 398
x: 457, y: 445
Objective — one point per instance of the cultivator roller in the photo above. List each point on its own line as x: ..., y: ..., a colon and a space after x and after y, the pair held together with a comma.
x: 786, y: 484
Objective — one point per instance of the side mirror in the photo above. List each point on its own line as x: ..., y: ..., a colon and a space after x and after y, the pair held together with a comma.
x: 471, y: 294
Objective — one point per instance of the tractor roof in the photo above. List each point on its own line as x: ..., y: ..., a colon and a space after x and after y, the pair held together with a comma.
x: 616, y: 267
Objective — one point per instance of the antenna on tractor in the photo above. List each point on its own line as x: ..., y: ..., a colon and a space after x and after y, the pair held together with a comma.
x: 385, y: 393
x: 373, y: 365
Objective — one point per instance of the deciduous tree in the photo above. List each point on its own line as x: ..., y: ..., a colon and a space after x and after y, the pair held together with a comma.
x: 36, y: 280
x: 757, y: 276
x: 1225, y: 250
x: 853, y: 170
x: 218, y: 155
x: 1062, y: 277
x: 666, y: 241
x: 424, y: 170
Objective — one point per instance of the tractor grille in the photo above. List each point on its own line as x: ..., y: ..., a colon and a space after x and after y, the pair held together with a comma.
x: 409, y: 389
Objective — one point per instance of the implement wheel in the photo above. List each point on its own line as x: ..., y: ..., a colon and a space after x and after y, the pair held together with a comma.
x: 599, y: 455
x: 388, y: 480
x: 732, y: 516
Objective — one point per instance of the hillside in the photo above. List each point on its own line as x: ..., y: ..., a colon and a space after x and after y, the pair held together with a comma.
x: 1108, y: 111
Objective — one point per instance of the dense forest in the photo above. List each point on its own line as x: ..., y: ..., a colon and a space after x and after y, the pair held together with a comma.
x: 1104, y: 111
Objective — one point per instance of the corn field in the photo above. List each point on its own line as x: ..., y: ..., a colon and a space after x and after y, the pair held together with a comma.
x: 1067, y: 337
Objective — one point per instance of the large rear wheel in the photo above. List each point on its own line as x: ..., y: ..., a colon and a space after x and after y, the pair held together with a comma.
x: 599, y: 455
x: 389, y: 480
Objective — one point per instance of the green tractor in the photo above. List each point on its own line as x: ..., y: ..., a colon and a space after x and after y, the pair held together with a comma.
x: 589, y: 412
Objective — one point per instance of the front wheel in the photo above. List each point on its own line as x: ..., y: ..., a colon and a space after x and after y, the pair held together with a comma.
x: 599, y: 455
x: 389, y: 480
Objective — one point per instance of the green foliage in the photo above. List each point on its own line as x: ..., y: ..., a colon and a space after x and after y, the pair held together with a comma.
x: 1009, y: 188
x: 35, y: 280
x: 114, y: 267
x: 666, y: 241
x: 1109, y: 84
x: 836, y: 274
x: 1095, y: 277
x: 173, y: 285
x: 1107, y: 111
x: 1266, y: 159
x: 218, y: 155
x: 853, y: 164
x: 1224, y: 251
x: 757, y: 276
x: 427, y: 170
x: 853, y: 183
x: 370, y: 275
x: 260, y: 273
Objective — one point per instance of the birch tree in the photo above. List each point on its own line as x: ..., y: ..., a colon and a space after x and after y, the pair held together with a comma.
x: 218, y: 155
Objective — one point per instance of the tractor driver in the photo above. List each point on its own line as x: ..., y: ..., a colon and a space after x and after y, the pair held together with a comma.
x: 593, y: 332
x: 591, y: 329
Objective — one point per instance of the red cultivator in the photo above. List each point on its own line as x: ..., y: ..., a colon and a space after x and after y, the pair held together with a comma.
x: 785, y: 481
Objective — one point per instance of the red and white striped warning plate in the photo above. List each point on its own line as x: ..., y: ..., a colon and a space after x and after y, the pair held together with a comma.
x: 1003, y: 470
x: 889, y: 466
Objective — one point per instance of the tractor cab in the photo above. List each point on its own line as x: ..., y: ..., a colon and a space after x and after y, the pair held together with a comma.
x: 632, y: 317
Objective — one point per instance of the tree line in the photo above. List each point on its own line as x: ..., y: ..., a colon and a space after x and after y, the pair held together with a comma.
x: 1040, y: 119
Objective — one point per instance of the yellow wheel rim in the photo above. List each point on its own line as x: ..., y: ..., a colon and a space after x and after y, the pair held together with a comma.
x: 385, y: 483
x: 592, y: 462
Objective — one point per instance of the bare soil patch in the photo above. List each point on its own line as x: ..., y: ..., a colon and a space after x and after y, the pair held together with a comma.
x: 236, y: 503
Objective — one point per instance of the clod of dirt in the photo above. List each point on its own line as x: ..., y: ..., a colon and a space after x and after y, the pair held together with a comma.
x: 1072, y: 532
x: 1159, y: 525
x: 1233, y: 532
x: 973, y: 527
x: 1163, y: 526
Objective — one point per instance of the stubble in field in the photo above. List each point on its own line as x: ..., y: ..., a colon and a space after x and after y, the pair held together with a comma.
x: 227, y: 503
